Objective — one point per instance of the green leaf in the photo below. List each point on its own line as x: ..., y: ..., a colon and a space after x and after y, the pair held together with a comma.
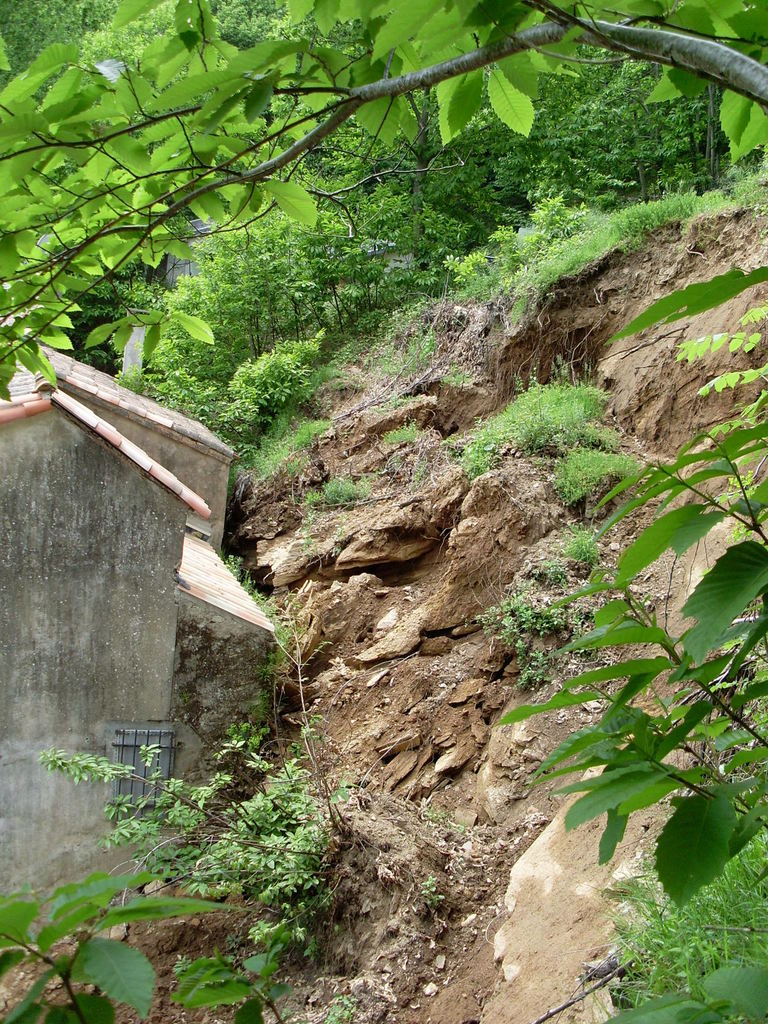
x: 465, y: 100
x: 678, y: 529
x: 511, y: 105
x: 736, y: 578
x: 157, y: 908
x: 293, y: 200
x: 670, y: 1009
x: 9, y: 958
x: 210, y: 981
x: 380, y: 119
x: 16, y: 915
x: 695, y: 298
x: 95, y: 1009
x: 664, y: 90
x: 745, y: 988
x: 608, y: 791
x: 194, y: 326
x: 250, y: 1013
x: 257, y: 100
x: 693, y: 847
x: 563, y: 699
x: 299, y: 9
x: 405, y: 21
x: 97, y: 889
x: 612, y: 835
x: 129, y: 10
x: 120, y: 971
x: 4, y: 65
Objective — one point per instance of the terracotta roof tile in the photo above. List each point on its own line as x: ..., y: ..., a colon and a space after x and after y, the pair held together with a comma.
x: 19, y: 410
x: 203, y: 575
x: 30, y: 395
x: 75, y: 376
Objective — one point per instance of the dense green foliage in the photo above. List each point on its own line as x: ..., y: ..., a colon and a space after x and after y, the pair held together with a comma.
x: 80, y: 983
x: 195, y: 110
x: 673, y: 948
x: 249, y: 830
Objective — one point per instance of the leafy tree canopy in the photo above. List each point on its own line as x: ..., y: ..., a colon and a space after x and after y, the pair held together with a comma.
x: 107, y: 156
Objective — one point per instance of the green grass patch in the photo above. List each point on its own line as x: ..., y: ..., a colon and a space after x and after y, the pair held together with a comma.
x: 338, y: 491
x: 545, y: 419
x: 582, y: 547
x: 588, y: 472
x: 526, y: 271
x: 283, y: 445
x: 672, y: 948
x: 408, y: 432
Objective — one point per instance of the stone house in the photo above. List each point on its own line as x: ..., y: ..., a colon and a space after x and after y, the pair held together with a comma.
x: 119, y: 623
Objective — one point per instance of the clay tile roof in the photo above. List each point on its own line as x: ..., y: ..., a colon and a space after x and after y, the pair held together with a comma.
x: 137, y: 455
x: 203, y: 575
x: 74, y: 377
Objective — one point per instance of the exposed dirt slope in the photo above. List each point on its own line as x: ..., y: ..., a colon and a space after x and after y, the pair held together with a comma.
x: 406, y: 684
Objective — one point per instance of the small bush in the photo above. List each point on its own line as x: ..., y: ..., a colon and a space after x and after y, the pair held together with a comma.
x: 582, y: 546
x: 262, y: 388
x: 586, y: 473
x: 343, y: 1010
x: 338, y: 491
x: 408, y: 432
x: 516, y: 621
x: 550, y: 419
x: 286, y: 440
x: 553, y: 572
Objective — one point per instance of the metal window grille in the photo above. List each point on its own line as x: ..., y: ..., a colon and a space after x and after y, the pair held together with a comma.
x: 127, y: 744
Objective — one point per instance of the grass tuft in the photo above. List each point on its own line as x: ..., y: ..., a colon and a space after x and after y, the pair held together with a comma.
x: 408, y: 432
x: 284, y: 443
x: 545, y: 419
x: 587, y: 473
x: 581, y: 546
x: 338, y: 491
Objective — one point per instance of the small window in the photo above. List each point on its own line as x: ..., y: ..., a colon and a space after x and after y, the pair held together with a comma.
x: 127, y: 744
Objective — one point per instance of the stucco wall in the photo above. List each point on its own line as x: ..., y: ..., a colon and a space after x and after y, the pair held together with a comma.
x: 218, y: 668
x: 88, y: 608
x: 202, y: 469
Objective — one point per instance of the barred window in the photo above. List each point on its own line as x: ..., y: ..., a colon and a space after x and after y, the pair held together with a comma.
x: 126, y: 746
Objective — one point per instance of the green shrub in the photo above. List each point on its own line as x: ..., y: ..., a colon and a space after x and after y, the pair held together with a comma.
x: 549, y: 419
x: 516, y: 621
x: 343, y: 1011
x: 250, y: 830
x: 338, y: 491
x: 553, y: 571
x: 262, y: 388
x: 670, y: 949
x: 582, y: 546
x: 408, y: 432
x: 586, y: 473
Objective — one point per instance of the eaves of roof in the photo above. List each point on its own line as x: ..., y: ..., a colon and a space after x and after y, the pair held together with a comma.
x: 203, y: 575
x: 39, y: 399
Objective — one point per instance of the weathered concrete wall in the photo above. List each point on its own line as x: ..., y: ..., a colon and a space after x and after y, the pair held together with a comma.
x: 218, y: 667
x: 202, y: 469
x: 88, y: 606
